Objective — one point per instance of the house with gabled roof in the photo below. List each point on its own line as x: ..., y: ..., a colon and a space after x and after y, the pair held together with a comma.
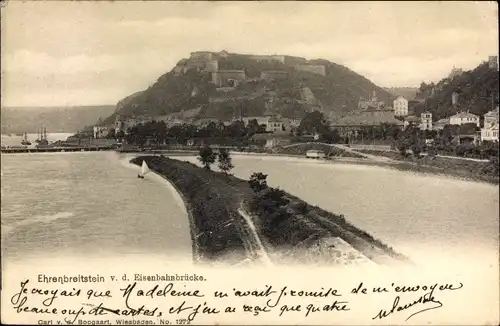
x: 464, y: 117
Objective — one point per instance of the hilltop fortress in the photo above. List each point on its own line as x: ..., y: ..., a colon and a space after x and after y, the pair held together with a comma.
x: 209, y: 62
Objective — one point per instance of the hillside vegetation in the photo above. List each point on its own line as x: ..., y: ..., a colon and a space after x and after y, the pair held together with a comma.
x: 476, y: 89
x: 337, y: 92
x: 407, y: 92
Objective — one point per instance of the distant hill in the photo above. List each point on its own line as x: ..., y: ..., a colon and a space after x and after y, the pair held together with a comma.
x: 407, y: 92
x: 119, y: 106
x: 336, y: 93
x: 476, y: 89
x: 56, y: 119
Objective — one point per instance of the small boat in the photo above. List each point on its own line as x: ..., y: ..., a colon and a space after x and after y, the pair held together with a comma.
x: 144, y: 170
x: 25, y: 140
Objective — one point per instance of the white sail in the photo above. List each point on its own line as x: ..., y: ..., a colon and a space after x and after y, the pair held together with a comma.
x: 144, y: 168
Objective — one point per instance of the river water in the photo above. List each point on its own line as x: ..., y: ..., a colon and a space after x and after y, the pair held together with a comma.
x: 418, y: 215
x: 14, y: 140
x: 87, y: 204
x: 92, y: 203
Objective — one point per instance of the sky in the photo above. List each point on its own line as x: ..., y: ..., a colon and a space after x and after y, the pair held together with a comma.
x: 91, y: 53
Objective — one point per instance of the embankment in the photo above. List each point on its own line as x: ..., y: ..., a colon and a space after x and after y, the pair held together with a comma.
x: 330, y: 150
x: 470, y: 170
x: 285, y: 226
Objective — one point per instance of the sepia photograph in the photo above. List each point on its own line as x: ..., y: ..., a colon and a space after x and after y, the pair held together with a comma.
x: 256, y: 162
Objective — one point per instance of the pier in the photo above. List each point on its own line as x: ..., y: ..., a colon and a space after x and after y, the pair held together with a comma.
x: 16, y: 150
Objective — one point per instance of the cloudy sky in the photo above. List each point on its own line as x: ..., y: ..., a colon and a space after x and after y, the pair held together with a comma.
x: 83, y: 53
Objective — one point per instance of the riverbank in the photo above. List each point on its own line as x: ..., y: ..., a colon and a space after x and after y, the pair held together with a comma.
x: 463, y: 169
x: 298, y: 232
x: 460, y: 169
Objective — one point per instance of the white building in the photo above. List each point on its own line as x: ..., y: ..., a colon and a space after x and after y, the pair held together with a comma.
x: 464, y: 117
x: 400, y: 105
x: 275, y: 125
x: 490, y: 133
x: 426, y: 121
x: 491, y: 118
x: 260, y: 120
x: 100, y: 131
x: 490, y: 129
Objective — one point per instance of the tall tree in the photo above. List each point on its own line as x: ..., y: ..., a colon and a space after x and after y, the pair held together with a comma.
x: 313, y: 122
x: 207, y: 157
x: 225, y: 161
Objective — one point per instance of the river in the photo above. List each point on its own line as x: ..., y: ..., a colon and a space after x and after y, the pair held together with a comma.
x: 87, y: 204
x: 419, y: 215
x: 14, y: 140
x: 92, y: 204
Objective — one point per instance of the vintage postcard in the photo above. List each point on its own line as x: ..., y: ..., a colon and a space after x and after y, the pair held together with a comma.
x: 249, y: 163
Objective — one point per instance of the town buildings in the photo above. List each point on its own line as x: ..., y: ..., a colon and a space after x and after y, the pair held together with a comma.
x: 491, y: 118
x: 275, y: 125
x: 464, y: 117
x: 369, y: 118
x: 100, y: 131
x: 372, y: 103
x: 489, y: 132
x: 426, y: 121
x: 412, y: 120
x: 400, y: 106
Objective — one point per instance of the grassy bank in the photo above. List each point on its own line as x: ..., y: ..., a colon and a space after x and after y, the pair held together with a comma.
x: 284, y: 223
x: 330, y: 151
x: 471, y: 170
x: 211, y: 207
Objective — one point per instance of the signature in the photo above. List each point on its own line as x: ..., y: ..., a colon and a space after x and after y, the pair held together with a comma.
x: 427, y: 299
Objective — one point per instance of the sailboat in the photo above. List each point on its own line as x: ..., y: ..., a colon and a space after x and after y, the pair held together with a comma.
x: 144, y: 170
x: 25, y: 140
x: 42, y: 137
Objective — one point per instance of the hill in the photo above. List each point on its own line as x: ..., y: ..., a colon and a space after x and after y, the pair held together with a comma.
x: 56, y: 119
x: 407, y: 92
x: 476, y: 89
x: 316, y: 84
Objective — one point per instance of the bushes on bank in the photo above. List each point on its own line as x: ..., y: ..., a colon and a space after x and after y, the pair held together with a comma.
x: 225, y: 161
x: 207, y: 157
x: 258, y: 182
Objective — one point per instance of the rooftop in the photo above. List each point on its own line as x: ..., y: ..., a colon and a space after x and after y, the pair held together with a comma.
x: 443, y: 121
x: 492, y: 113
x: 366, y: 119
x: 464, y: 114
x: 412, y: 118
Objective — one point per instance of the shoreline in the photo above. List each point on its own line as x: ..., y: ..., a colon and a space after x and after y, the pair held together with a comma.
x: 226, y: 224
x: 405, y: 166
x: 206, y: 235
x: 451, y: 167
